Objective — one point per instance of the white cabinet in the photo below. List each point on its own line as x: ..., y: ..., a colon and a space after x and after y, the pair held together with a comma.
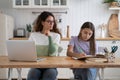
x: 40, y: 3
x: 108, y: 45
x: 59, y: 3
x: 21, y: 3
x: 6, y: 32
x: 111, y: 73
x: 64, y: 73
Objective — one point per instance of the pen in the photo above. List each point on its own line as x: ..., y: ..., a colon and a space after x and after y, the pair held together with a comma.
x: 80, y: 50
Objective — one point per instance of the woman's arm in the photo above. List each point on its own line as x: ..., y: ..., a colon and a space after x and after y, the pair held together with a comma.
x: 52, y: 46
x: 71, y: 53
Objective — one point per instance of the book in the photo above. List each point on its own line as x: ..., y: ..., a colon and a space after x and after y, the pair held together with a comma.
x: 92, y: 60
x: 84, y: 57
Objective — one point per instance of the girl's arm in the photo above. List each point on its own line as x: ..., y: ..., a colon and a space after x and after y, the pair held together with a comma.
x: 71, y: 53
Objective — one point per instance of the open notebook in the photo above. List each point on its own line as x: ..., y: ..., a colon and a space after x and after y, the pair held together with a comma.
x: 22, y: 50
x: 89, y: 56
x: 83, y: 57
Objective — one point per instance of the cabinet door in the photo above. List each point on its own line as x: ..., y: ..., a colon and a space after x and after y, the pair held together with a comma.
x: 108, y: 45
x: 21, y: 3
x: 59, y: 3
x: 110, y: 73
x: 41, y: 4
x: 64, y: 73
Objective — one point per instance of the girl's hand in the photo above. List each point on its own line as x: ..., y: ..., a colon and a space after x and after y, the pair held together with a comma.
x: 82, y: 54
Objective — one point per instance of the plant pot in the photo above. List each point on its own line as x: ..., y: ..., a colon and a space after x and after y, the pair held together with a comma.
x: 28, y: 34
x: 114, y: 4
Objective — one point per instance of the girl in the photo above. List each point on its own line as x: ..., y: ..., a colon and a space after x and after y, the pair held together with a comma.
x: 46, y: 37
x: 81, y: 45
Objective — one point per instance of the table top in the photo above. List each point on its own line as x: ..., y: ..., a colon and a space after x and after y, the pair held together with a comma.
x: 55, y: 62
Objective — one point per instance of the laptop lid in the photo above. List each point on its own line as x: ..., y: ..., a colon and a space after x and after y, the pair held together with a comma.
x: 21, y: 50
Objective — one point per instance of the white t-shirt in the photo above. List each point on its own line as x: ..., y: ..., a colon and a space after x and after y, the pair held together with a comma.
x: 43, y: 42
x: 42, y: 39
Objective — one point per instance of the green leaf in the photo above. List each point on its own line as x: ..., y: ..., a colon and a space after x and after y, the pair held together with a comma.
x: 28, y: 27
x: 109, y: 1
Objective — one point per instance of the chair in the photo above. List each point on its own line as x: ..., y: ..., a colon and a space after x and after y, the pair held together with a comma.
x: 100, y: 74
x: 19, y: 70
x: 100, y: 71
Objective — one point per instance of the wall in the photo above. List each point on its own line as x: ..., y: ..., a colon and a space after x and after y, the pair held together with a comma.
x: 79, y: 12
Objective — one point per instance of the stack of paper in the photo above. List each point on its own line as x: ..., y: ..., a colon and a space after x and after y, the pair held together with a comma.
x: 101, y: 60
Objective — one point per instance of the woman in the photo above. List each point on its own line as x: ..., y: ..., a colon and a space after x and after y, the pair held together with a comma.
x: 81, y: 45
x: 47, y: 38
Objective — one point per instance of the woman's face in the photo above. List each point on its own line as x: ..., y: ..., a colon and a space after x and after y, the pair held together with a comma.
x: 48, y: 23
x: 86, y: 34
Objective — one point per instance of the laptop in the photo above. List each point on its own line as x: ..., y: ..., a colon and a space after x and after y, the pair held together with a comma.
x: 22, y: 50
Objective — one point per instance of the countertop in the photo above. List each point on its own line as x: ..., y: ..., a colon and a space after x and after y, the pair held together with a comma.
x: 67, y: 39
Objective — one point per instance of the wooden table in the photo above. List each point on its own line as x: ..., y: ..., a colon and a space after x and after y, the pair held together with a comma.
x: 54, y: 62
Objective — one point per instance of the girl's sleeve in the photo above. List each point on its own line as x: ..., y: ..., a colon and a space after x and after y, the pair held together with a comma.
x: 71, y: 42
x: 96, y: 48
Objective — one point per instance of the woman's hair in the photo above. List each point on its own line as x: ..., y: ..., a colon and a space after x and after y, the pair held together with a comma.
x: 38, y: 27
x: 92, y: 38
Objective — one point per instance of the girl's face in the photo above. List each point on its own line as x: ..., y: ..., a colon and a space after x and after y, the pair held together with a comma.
x: 86, y: 34
x: 48, y: 23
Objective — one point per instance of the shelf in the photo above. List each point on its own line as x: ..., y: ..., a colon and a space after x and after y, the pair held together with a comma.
x: 114, y: 8
x: 67, y: 39
x: 23, y: 38
x: 107, y: 39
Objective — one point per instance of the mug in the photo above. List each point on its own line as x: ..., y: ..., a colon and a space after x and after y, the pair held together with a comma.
x: 110, y: 57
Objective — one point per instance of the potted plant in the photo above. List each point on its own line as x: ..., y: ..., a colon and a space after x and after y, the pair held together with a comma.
x: 113, y: 3
x: 29, y: 29
x: 109, y: 1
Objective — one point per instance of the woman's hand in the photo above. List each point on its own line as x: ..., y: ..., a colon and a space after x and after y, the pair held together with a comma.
x: 47, y: 34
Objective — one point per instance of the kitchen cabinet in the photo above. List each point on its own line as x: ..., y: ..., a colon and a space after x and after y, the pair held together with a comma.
x: 64, y: 73
x: 111, y: 73
x: 40, y: 3
x: 6, y: 32
x: 59, y: 3
x: 21, y: 3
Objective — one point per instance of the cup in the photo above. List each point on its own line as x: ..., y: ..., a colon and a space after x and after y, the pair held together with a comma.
x: 110, y: 57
